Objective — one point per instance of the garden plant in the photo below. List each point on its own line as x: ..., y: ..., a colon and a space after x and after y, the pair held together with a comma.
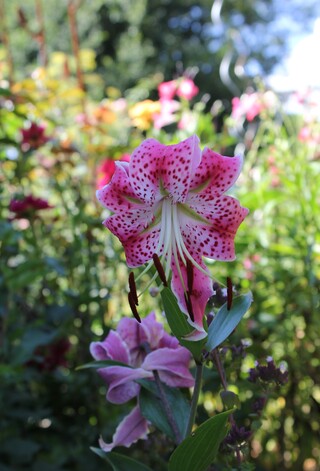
x: 159, y: 273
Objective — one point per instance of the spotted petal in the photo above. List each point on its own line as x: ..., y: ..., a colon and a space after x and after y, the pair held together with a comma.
x: 132, y: 428
x: 118, y: 195
x: 214, y: 176
x: 215, y: 239
x: 201, y: 292
x: 156, y: 169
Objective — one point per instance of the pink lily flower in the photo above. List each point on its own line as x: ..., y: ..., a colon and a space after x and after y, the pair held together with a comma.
x: 144, y: 348
x: 169, y: 201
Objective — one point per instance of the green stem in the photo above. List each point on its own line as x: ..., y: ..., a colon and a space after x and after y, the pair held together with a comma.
x: 166, y: 407
x: 195, y: 398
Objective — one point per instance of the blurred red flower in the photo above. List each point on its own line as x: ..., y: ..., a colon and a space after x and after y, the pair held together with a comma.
x: 26, y: 206
x: 33, y: 137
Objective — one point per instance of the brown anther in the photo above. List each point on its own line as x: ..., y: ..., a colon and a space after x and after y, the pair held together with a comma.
x: 133, y: 288
x: 160, y: 270
x: 133, y: 307
x: 189, y: 305
x: 190, y: 276
x: 229, y: 293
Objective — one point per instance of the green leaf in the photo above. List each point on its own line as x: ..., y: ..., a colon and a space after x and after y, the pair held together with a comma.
x: 199, y: 450
x: 176, y: 318
x: 120, y: 462
x: 226, y: 321
x: 5, y: 92
x: 178, y: 323
x: 101, y: 364
x: 152, y: 408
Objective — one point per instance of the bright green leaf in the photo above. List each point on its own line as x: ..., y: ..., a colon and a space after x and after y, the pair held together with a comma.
x: 226, y: 321
x: 178, y: 323
x: 199, y: 450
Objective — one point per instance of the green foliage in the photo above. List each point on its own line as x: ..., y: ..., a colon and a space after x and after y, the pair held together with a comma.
x: 226, y: 320
x: 178, y: 323
x: 120, y: 462
x: 200, y: 449
x: 152, y: 408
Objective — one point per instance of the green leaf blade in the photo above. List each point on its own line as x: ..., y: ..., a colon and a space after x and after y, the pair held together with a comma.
x: 101, y: 364
x: 178, y: 323
x: 226, y: 321
x: 199, y: 450
x: 152, y: 408
x: 120, y: 462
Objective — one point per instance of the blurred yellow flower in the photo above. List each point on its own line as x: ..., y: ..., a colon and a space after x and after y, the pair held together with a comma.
x: 142, y: 113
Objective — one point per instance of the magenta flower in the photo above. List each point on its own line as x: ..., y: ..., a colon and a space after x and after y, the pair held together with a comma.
x: 144, y: 348
x: 169, y: 201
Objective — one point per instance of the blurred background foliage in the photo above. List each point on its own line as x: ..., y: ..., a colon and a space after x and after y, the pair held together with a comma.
x: 78, y: 90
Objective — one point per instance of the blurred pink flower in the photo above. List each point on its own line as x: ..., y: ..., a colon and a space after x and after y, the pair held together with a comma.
x: 33, y: 137
x: 27, y: 206
x: 187, y: 89
x: 167, y: 90
x: 169, y: 201
x: 166, y: 115
x: 144, y: 348
x: 248, y: 106
x: 187, y: 121
x: 106, y: 170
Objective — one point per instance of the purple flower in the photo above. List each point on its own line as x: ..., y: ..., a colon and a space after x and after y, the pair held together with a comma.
x: 236, y: 438
x: 268, y: 373
x: 144, y: 347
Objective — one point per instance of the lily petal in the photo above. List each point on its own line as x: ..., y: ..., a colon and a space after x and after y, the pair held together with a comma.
x: 118, y: 194
x: 121, y: 382
x: 201, y: 292
x: 214, y: 176
x: 153, y: 164
x: 215, y: 239
x: 112, y: 348
x: 133, y: 427
x: 172, y: 366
